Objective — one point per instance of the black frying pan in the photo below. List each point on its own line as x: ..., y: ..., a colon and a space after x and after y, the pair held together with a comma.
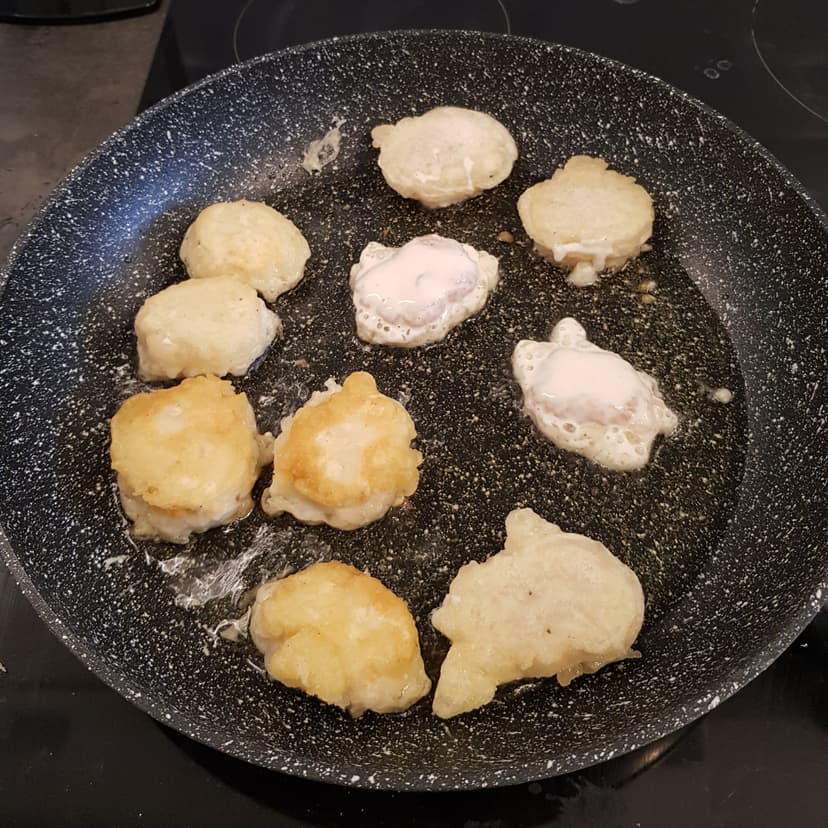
x: 725, y: 527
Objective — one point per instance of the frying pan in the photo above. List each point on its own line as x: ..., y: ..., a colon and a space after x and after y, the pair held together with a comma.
x: 725, y: 527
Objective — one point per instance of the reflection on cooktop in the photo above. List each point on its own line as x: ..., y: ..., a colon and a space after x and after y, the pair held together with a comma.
x: 589, y: 797
x: 791, y: 39
x: 264, y: 26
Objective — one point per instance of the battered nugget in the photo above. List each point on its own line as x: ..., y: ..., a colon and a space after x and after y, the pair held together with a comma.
x: 249, y: 241
x: 203, y: 326
x: 417, y: 293
x: 587, y: 218
x: 590, y: 401
x: 550, y: 604
x: 341, y: 636
x: 344, y: 458
x: 186, y: 458
x: 445, y: 156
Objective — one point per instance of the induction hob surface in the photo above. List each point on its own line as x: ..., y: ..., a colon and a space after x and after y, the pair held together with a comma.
x: 762, y: 63
x: 76, y: 753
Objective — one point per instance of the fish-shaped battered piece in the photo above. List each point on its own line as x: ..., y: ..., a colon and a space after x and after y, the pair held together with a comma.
x: 551, y: 603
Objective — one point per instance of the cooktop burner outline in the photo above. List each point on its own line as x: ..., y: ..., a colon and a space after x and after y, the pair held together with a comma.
x: 426, y: 14
x: 790, y: 59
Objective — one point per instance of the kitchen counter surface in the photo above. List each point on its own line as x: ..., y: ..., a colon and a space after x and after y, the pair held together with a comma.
x: 63, y: 90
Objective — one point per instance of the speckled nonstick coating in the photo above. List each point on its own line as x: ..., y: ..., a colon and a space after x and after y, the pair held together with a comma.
x: 725, y: 527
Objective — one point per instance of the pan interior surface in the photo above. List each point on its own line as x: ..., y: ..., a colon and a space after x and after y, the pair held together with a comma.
x: 723, y: 526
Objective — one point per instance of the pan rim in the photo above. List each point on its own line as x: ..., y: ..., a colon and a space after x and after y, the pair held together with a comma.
x: 235, y: 68
x: 787, y: 629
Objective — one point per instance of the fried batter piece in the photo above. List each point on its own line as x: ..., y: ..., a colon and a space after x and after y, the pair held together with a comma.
x: 415, y: 294
x: 550, y: 604
x: 186, y: 458
x: 249, y: 241
x: 444, y: 156
x: 203, y: 326
x: 344, y: 458
x: 340, y: 635
x: 590, y: 401
x: 587, y: 218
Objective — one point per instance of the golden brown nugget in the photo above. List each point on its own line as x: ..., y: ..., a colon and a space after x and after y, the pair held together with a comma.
x: 344, y: 458
x: 186, y: 458
x: 340, y: 635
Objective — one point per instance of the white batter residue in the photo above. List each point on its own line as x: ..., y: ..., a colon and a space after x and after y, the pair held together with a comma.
x: 324, y: 150
x: 196, y: 582
x: 721, y: 395
x: 231, y: 629
x: 585, y: 272
x: 114, y: 560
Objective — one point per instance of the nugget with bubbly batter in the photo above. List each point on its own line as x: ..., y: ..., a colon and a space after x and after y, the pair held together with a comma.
x: 415, y: 294
x: 590, y: 401
x: 186, y: 458
x: 249, y: 241
x: 203, y: 326
x: 340, y: 635
x: 550, y: 604
x: 444, y: 156
x: 587, y: 218
x: 344, y: 458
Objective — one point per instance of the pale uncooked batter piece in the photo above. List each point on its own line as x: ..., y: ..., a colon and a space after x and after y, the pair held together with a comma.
x: 344, y: 458
x: 340, y: 635
x: 587, y: 218
x: 590, y: 401
x: 417, y: 293
x: 551, y: 603
x: 444, y: 156
x: 249, y: 241
x: 203, y: 326
x: 186, y: 458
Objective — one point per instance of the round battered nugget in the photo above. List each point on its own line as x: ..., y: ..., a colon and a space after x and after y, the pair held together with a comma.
x: 341, y: 636
x: 344, y: 458
x: 203, y: 326
x: 445, y: 156
x: 249, y: 241
x: 550, y: 604
x: 187, y: 458
x: 590, y: 401
x: 587, y: 218
x: 417, y: 293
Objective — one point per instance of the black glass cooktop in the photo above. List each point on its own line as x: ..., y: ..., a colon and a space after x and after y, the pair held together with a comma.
x: 76, y: 753
x: 762, y: 63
